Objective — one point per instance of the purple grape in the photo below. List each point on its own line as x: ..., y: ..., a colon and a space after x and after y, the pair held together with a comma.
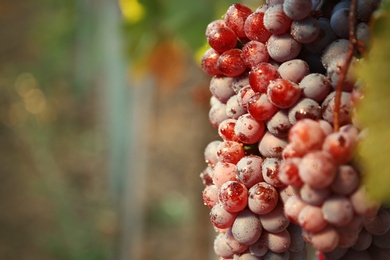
x: 294, y: 70
x: 306, y: 30
x: 378, y: 225
x: 339, y: 22
x: 325, y: 37
x: 312, y: 196
x: 297, y: 9
x: 346, y: 180
x: 276, y: 242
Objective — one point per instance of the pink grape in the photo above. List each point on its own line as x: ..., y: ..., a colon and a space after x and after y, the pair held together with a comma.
x: 233, y: 195
x: 263, y: 198
x: 220, y: 217
x: 230, y: 151
x: 249, y: 170
x: 210, y: 195
x: 223, y: 172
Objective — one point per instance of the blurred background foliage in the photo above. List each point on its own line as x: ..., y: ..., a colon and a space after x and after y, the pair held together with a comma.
x: 100, y: 101
x: 103, y: 123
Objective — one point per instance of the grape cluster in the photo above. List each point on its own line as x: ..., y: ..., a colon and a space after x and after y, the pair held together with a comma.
x: 282, y: 175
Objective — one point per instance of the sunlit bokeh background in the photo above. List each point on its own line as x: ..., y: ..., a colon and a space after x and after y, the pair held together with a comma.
x: 103, y: 123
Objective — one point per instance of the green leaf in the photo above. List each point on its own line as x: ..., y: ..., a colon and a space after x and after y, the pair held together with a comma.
x: 374, y: 111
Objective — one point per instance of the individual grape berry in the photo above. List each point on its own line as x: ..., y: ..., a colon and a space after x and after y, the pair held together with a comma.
x: 230, y: 151
x: 244, y: 95
x: 315, y: 86
x: 292, y: 208
x: 317, y: 169
x: 363, y: 204
x: 220, y: 217
x: 221, y: 248
x: 276, y: 21
x: 248, y: 130
x: 294, y: 70
x: 279, y: 124
x: 283, y: 47
x: 235, y: 17
x: 226, y: 130
x: 275, y: 221
x: 233, y: 108
x: 310, y: 218
x: 347, y: 240
x: 207, y: 176
x: 270, y: 171
x: 223, y: 172
x: 214, y: 25
x: 210, y: 153
x: 339, y: 23
x: 283, y: 93
x: 253, y: 53
x: 346, y: 180
x: 217, y: 114
x: 209, y: 62
x: 297, y: 243
x: 297, y: 9
x: 312, y: 196
x: 336, y: 50
x: 337, y: 210
x: 230, y: 63
x: 272, y: 146
x: 305, y: 108
x: 378, y: 225
x: 364, y: 9
x: 306, y: 135
x: 382, y: 241
x: 221, y: 88
x: 261, y: 75
x: 222, y: 39
x: 345, y: 111
x: 341, y: 146
x: 247, y: 228
x: 289, y: 172
x: 263, y: 198
x: 325, y: 240
x: 260, y: 107
x: 254, y: 27
x: 210, y: 195
x: 364, y: 240
x: 235, y: 246
x: 276, y: 242
x: 258, y: 249
x: 233, y: 196
x: 306, y: 30
x: 249, y: 170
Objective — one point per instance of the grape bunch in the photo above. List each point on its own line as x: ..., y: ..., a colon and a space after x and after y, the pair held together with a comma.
x: 284, y: 173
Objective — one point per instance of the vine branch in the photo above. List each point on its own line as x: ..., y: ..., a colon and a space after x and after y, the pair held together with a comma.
x: 344, y: 69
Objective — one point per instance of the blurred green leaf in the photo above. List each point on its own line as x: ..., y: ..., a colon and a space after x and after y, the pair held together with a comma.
x: 374, y: 110
x: 184, y: 21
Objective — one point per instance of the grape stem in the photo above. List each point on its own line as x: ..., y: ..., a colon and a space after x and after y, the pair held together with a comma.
x: 344, y: 69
